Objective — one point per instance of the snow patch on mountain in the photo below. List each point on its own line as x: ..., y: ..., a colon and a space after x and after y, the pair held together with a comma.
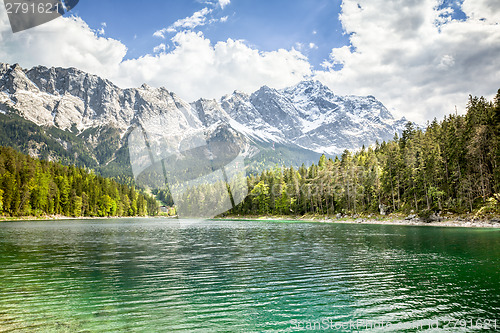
x: 308, y: 115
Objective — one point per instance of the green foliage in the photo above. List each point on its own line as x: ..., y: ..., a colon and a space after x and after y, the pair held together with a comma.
x: 260, y: 197
x: 492, y: 206
x: 107, y: 157
x: 24, y: 135
x: 453, y: 165
x: 425, y: 214
x: 30, y: 186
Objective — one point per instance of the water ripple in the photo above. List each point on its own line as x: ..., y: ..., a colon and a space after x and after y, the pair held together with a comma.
x: 151, y: 275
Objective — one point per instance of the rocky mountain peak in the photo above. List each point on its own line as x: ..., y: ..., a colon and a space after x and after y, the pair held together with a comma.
x: 13, y: 78
x: 308, y: 115
x: 308, y: 86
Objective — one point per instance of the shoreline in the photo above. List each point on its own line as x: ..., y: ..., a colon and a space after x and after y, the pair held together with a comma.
x: 398, y: 221
x: 370, y: 221
x: 62, y: 217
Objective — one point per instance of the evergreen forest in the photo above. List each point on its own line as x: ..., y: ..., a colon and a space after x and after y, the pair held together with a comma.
x: 452, y: 166
x: 33, y: 187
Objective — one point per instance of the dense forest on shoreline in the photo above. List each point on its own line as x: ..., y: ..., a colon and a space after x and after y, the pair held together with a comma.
x: 33, y: 187
x: 453, y: 166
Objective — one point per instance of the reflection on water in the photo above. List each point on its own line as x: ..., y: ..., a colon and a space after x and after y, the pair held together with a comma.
x: 154, y: 275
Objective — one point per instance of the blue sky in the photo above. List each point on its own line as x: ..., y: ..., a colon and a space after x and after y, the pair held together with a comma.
x: 419, y: 58
x: 266, y: 25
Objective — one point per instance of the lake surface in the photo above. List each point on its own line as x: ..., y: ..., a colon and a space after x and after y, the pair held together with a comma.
x: 156, y: 275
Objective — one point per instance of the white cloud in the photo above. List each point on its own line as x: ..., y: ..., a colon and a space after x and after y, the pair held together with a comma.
x: 199, y: 18
x: 340, y: 55
x: 196, y: 68
x: 305, y: 47
x: 488, y: 10
x: 224, y: 3
x: 160, y: 33
x: 417, y: 65
x: 193, y: 68
x: 299, y: 46
x: 101, y: 31
x: 160, y: 48
x: 65, y: 42
x: 446, y: 62
x: 402, y: 53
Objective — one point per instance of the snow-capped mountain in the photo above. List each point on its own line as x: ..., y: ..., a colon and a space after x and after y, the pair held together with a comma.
x: 67, y: 98
x: 311, y: 116
x: 308, y: 116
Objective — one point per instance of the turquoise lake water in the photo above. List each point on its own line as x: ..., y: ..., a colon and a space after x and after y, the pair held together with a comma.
x: 159, y: 275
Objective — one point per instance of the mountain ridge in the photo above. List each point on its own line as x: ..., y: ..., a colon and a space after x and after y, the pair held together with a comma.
x: 307, y: 116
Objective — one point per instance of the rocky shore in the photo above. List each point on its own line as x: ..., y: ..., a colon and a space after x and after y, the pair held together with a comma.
x: 411, y: 220
x: 418, y: 222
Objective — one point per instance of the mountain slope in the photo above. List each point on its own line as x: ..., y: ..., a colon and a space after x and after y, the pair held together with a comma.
x: 287, y: 126
x: 310, y: 116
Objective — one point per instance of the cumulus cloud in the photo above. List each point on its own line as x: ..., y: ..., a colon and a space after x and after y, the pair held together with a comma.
x: 487, y: 10
x: 197, y: 68
x: 64, y: 42
x: 414, y: 57
x: 224, y: 3
x: 338, y: 56
x: 418, y: 65
x: 160, y: 48
x: 193, y: 68
x: 101, y: 31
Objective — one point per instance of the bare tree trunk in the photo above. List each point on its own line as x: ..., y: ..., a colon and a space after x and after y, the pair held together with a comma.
x: 415, y: 196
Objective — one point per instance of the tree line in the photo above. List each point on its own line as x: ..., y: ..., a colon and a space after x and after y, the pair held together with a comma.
x: 33, y: 187
x: 452, y: 165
